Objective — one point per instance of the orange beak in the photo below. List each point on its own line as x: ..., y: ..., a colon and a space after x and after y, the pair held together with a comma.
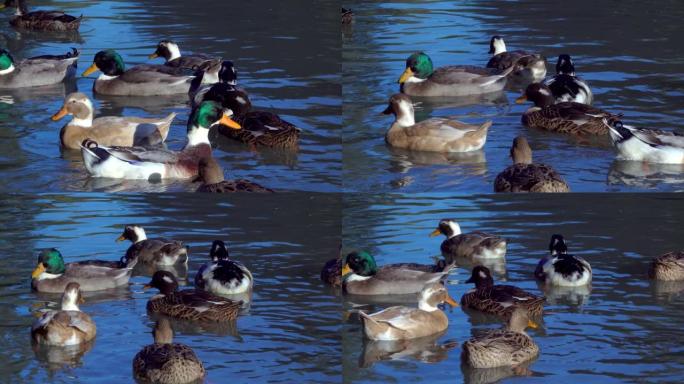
x: 521, y: 99
x: 153, y: 56
x: 227, y: 121
x: 61, y: 113
x: 436, y: 232
x: 451, y: 301
x: 93, y: 67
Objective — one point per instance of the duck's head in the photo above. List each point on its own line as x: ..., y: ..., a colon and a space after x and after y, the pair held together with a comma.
x: 108, y: 62
x: 218, y: 251
x: 619, y: 132
x: 227, y: 73
x: 78, y: 105
x: 203, y: 117
x: 538, y: 93
x: 557, y: 245
x: 166, y: 49
x: 418, y: 68
x: 164, y: 281
x: 133, y: 233
x: 481, y: 277
x: 520, y: 320
x: 434, y: 295
x: 231, y: 98
x: 360, y: 263
x: 50, y: 262
x: 163, y: 333
x: 564, y: 66
x: 6, y: 62
x: 401, y: 107
x: 521, y: 152
x: 448, y: 228
x: 209, y: 172
x: 497, y: 45
x: 18, y: 4
x: 72, y: 297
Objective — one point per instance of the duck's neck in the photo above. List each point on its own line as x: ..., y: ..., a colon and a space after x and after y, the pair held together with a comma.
x: 69, y: 306
x: 174, y: 52
x: 197, y: 136
x: 22, y: 8
x: 85, y: 122
x: 104, y: 77
x: 499, y: 47
x: 426, y: 306
x: 47, y: 276
x: 8, y: 70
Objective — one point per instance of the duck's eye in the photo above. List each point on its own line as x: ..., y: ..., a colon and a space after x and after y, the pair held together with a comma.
x: 617, y: 124
x: 413, y: 68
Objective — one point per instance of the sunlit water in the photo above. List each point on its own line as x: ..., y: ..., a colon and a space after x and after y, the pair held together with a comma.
x: 629, y: 54
x: 625, y: 329
x: 287, y: 59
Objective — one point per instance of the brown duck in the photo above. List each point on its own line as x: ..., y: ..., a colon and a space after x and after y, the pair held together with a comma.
x: 669, y: 267
x: 211, y: 175
x: 52, y: 20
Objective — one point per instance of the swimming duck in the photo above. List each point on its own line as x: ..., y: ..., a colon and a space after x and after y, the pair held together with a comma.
x: 526, y: 176
x: 565, y: 86
x: 668, y: 267
x: 435, y: 134
x: 226, y: 82
x: 68, y: 326
x: 361, y: 276
x: 347, y: 16
x: 331, y: 273
x: 189, y: 304
x: 567, y: 117
x: 473, y: 245
x: 41, y: 20
x: 144, y: 163
x: 499, y: 300
x: 141, y: 80
x: 156, y: 251
x: 649, y: 145
x: 211, y: 176
x: 172, y: 56
x: 36, y: 71
x: 502, y: 59
x: 561, y: 269
x: 52, y: 275
x: 107, y: 130
x: 401, y: 323
x: 223, y: 276
x: 420, y: 79
x: 165, y: 361
x: 503, y: 347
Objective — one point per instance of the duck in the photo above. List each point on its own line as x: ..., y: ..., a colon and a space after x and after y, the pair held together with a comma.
x: 225, y: 83
x: 403, y: 323
x: 647, y: 145
x: 188, y: 304
x: 526, y: 176
x: 52, y: 275
x: 223, y: 276
x: 347, y: 16
x: 511, y: 346
x: 331, y: 273
x: 52, y: 20
x: 565, y: 86
x: 436, y: 134
x: 155, y: 251
x: 469, y: 246
x: 151, y: 163
x: 67, y: 326
x: 165, y: 361
x: 211, y: 176
x: 361, y: 276
x: 502, y: 59
x: 140, y: 80
x: 36, y: 71
x: 667, y: 267
x: 107, y: 130
x: 169, y: 50
x: 420, y: 79
x: 499, y: 300
x: 566, y: 117
x: 561, y: 269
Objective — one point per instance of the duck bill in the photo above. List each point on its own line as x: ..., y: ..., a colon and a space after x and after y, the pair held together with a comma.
x: 408, y: 73
x: 61, y: 113
x: 532, y: 324
x: 81, y: 300
x: 38, y: 271
x: 153, y: 55
x: 436, y: 232
x: 387, y: 111
x: 228, y: 122
x: 146, y: 287
x: 521, y: 99
x: 93, y: 68
x: 346, y: 270
x: 449, y: 300
x: 120, y: 238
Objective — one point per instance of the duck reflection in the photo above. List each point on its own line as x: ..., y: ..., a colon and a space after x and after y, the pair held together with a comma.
x: 424, y: 349
x: 61, y: 358
x: 571, y: 296
x: 493, y: 375
x: 644, y: 175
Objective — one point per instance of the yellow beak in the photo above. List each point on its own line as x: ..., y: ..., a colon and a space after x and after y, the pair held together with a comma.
x: 532, y: 324
x: 81, y: 300
x: 346, y: 269
x: 61, y: 113
x: 451, y: 301
x: 153, y: 56
x: 227, y: 121
x: 436, y: 232
x: 93, y: 67
x: 146, y: 287
x: 38, y: 271
x: 521, y: 99
x: 408, y: 73
x: 121, y: 238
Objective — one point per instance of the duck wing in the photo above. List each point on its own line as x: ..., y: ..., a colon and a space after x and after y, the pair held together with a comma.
x: 461, y: 74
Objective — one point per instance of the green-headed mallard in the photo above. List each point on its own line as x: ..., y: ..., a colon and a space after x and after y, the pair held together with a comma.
x: 472, y: 245
x: 505, y: 347
x: 211, y: 176
x: 172, y: 56
x: 420, y: 79
x: 565, y: 86
x: 166, y: 362
x: 668, y: 267
x: 526, y: 176
x: 562, y: 269
x: 398, y: 323
x: 36, y: 71
x: 436, y: 134
x: 67, y: 326
x: 526, y: 61
x: 189, y: 304
x: 156, y: 251
x: 52, y: 275
x: 41, y: 20
x: 223, y: 276
x: 107, y: 130
x: 648, y: 145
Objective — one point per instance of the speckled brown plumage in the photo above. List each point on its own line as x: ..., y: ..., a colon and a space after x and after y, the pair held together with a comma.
x: 260, y: 128
x: 42, y: 20
x: 530, y: 178
x: 233, y: 186
x: 332, y: 272
x: 569, y: 117
x: 668, y: 267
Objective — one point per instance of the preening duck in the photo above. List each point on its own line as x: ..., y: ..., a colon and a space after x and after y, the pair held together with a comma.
x: 473, y: 245
x: 501, y: 59
x: 565, y: 86
x: 169, y: 50
x: 668, y: 267
x: 155, y: 251
x: 214, y: 90
x: 52, y: 20
x: 648, y: 145
x: 223, y: 276
x: 562, y: 269
x: 36, y: 71
x: 67, y: 326
x: 211, y: 176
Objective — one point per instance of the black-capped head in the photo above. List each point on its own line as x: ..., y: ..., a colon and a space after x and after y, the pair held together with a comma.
x: 564, y: 66
x: 538, y: 93
x: 557, y: 245
x: 164, y: 281
x: 496, y: 44
x: 218, y: 251
x: 166, y: 49
x: 618, y: 131
x: 481, y: 277
x: 227, y: 74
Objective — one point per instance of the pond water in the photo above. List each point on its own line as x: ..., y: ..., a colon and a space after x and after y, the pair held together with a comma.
x: 632, y: 69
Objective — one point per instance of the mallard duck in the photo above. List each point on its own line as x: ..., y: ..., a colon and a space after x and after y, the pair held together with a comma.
x: 499, y: 300
x: 211, y: 176
x: 146, y: 163
x: 435, y: 134
x: 165, y: 361
x: 668, y: 267
x: 361, y: 276
x: 526, y: 176
x: 504, y: 347
x: 502, y: 59
x: 41, y: 20
x: 36, y: 71
x: 398, y: 323
x: 223, y: 276
x: 141, y: 80
x: 224, y: 84
x: 107, y: 130
x: 52, y: 275
x: 565, y: 86
x: 68, y: 326
x: 562, y: 269
x: 649, y: 145
x: 172, y: 56
x: 420, y: 79
x: 156, y: 251
x: 473, y: 245
x: 189, y: 304
x: 568, y: 117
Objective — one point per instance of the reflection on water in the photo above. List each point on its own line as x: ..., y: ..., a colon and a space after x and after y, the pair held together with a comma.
x: 424, y: 349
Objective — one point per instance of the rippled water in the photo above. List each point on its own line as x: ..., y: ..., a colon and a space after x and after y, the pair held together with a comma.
x: 629, y: 53
x: 287, y: 59
x: 290, y: 334
x: 627, y: 329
